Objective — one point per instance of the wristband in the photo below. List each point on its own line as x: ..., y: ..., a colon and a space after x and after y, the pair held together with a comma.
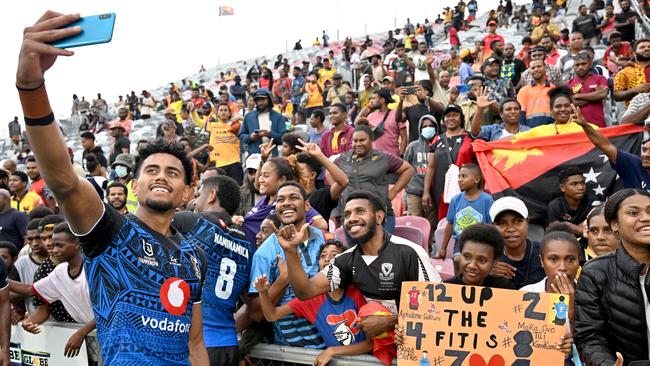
x: 36, y: 105
x: 42, y: 121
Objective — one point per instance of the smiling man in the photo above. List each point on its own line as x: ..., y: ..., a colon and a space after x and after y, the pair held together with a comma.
x: 147, y: 309
x: 377, y: 263
x: 291, y: 207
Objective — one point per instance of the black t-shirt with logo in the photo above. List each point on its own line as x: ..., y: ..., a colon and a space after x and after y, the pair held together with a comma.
x: 380, y: 277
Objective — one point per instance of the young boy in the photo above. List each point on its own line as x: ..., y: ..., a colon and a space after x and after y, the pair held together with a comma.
x: 481, y: 245
x: 467, y: 208
x: 335, y: 314
x: 574, y: 204
x: 520, y: 262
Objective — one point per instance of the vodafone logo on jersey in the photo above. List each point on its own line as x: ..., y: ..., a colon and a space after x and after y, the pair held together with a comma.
x: 174, y: 295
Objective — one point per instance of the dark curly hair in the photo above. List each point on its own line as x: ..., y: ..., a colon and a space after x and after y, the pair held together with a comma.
x: 161, y: 147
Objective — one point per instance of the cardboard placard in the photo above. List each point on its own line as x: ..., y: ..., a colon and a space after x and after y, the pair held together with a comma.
x: 455, y: 325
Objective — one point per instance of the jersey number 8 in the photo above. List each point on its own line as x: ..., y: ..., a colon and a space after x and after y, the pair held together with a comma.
x: 226, y: 279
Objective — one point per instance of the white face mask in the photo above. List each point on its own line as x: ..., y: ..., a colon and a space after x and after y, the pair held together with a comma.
x: 121, y: 171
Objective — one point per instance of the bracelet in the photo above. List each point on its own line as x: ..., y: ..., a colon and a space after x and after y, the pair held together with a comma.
x: 42, y: 121
x: 30, y: 89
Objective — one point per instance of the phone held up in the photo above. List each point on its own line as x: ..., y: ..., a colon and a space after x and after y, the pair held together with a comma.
x: 95, y: 29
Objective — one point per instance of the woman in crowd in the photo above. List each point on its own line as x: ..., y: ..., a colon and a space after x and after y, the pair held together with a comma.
x: 560, y: 258
x: 611, y: 318
x: 567, y: 117
x: 600, y: 237
x: 454, y: 146
x: 272, y: 173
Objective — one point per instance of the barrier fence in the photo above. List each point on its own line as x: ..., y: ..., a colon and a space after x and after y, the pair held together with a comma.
x: 47, y: 349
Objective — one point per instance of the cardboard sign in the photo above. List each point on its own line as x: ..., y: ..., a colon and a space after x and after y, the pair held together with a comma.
x: 454, y: 325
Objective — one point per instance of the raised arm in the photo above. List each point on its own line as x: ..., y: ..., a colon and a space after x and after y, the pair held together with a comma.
x: 78, y: 199
x: 271, y: 312
x: 596, y: 138
x: 341, y: 180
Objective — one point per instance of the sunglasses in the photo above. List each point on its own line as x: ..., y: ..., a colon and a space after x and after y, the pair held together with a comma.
x: 48, y: 227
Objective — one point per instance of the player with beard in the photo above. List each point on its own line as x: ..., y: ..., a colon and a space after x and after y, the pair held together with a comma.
x: 229, y: 256
x: 116, y: 194
x: 377, y: 263
x: 147, y: 308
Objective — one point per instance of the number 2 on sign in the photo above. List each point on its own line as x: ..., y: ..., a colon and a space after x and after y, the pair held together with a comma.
x: 226, y: 279
x: 530, y: 312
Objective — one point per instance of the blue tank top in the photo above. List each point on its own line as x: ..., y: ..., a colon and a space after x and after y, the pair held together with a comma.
x: 142, y: 287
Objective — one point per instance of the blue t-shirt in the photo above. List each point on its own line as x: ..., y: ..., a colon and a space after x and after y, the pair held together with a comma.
x: 463, y: 213
x: 496, y: 131
x: 142, y: 287
x: 289, y: 330
x: 230, y: 257
x: 561, y: 310
x: 629, y: 168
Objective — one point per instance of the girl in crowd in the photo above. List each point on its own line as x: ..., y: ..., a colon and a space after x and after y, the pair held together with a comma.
x: 272, y: 173
x: 480, y: 245
x: 611, y: 319
x: 600, y: 237
x: 454, y: 146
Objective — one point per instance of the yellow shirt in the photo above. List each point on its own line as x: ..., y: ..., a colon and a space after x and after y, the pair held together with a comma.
x: 550, y: 130
x: 393, y: 105
x: 288, y: 110
x: 177, y: 106
x: 324, y: 75
x: 225, y: 143
x: 538, y: 32
x: 314, y: 96
x: 27, y: 203
x: 131, y: 197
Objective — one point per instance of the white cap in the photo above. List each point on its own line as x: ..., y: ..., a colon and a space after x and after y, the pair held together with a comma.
x: 508, y: 204
x: 253, y: 161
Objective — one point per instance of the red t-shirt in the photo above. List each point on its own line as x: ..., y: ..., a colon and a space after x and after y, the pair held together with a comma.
x: 453, y: 37
x: 593, y: 112
x: 37, y: 187
x: 491, y: 37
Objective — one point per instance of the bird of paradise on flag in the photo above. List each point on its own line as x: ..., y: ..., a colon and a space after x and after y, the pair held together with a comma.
x: 226, y: 10
x: 529, y: 168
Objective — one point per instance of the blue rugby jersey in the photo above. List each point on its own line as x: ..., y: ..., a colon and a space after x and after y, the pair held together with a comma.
x: 142, y: 287
x: 230, y: 257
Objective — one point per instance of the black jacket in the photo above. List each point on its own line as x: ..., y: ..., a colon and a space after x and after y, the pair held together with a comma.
x: 609, y: 310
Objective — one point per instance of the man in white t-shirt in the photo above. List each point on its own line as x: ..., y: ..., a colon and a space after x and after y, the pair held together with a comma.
x: 66, y: 283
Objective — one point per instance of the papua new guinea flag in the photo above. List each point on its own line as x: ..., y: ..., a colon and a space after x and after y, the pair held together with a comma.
x: 530, y: 168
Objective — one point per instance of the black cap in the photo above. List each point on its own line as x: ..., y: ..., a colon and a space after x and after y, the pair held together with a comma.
x: 452, y: 107
x: 491, y: 60
x: 426, y: 84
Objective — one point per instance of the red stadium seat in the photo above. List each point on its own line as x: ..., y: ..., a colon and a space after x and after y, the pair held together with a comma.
x: 419, y: 223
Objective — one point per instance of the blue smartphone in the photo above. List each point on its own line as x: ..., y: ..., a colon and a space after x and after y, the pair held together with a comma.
x: 463, y: 88
x: 95, y: 29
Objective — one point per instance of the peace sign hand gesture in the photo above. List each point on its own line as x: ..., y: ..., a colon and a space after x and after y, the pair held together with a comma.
x: 309, y: 148
x: 266, y: 149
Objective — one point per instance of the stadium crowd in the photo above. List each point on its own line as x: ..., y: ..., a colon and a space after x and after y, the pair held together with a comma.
x: 280, y: 206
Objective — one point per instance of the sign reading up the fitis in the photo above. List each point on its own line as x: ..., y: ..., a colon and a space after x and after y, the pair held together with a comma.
x: 454, y: 325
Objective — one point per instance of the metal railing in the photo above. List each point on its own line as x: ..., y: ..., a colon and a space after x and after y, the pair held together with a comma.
x: 643, y: 25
